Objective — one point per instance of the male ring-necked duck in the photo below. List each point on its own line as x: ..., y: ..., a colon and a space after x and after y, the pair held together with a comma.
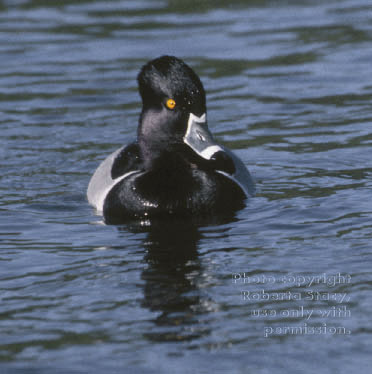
x: 174, y: 167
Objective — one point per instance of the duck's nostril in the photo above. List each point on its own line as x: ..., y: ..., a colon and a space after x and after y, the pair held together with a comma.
x: 200, y: 136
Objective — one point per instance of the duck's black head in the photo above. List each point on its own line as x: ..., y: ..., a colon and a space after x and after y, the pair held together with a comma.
x: 173, y: 101
x: 168, y: 77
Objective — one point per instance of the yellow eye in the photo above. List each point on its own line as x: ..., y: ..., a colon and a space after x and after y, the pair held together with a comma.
x: 171, y: 104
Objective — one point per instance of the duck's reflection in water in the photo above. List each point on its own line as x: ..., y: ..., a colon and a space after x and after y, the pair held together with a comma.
x: 172, y: 278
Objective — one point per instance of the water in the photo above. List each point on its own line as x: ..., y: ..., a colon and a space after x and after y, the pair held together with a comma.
x: 289, y: 90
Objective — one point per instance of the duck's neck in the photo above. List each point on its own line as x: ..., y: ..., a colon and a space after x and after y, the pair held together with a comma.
x: 149, y: 138
x: 151, y: 155
x: 155, y: 158
x: 157, y: 143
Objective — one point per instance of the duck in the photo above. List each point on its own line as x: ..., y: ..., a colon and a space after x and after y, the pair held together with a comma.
x: 174, y: 168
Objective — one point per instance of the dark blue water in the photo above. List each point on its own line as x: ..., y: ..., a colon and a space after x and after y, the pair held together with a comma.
x: 286, y: 287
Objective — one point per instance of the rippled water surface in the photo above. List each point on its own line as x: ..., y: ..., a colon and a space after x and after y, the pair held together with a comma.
x: 286, y: 287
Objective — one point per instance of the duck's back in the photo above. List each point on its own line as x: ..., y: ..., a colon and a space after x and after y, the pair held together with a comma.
x: 117, y: 166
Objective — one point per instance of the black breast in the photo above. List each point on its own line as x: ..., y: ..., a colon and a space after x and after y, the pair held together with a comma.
x: 165, y: 192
